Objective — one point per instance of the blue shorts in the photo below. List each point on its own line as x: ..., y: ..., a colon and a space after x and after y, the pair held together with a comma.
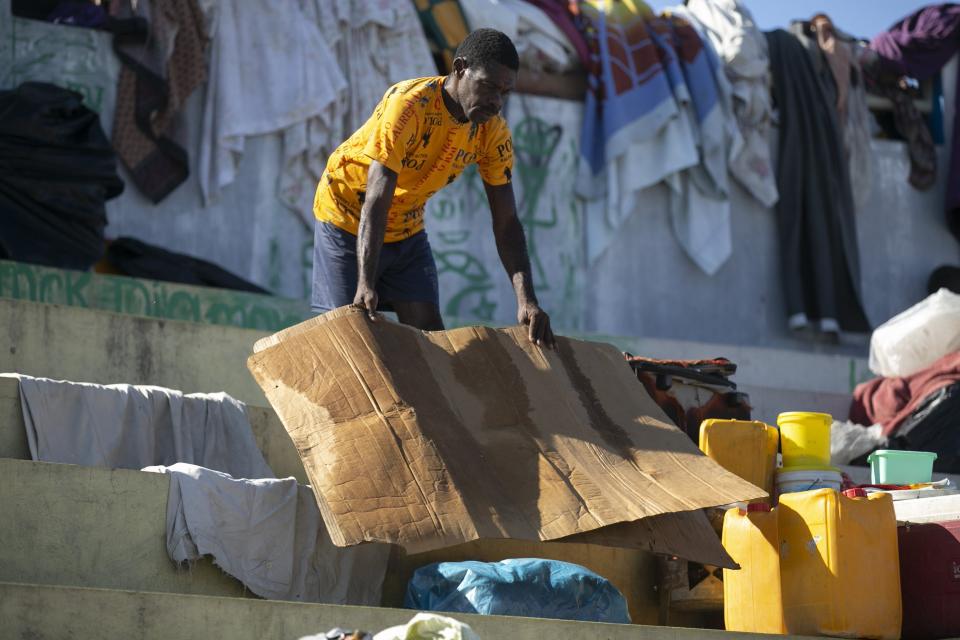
x: 406, y: 271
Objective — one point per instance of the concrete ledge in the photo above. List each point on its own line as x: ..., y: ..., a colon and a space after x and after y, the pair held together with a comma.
x: 84, y: 526
x: 70, y: 343
x: 151, y: 298
x: 40, y: 611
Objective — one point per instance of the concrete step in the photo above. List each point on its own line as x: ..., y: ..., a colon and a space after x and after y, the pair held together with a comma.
x: 71, y: 343
x: 74, y: 343
x: 91, y: 527
x: 271, y: 437
x: 45, y: 611
x: 95, y: 527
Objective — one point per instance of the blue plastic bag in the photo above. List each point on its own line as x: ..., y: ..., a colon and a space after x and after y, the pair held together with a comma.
x: 528, y: 587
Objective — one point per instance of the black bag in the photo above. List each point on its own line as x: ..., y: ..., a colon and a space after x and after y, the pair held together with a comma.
x: 57, y: 169
x: 935, y: 426
x: 134, y: 258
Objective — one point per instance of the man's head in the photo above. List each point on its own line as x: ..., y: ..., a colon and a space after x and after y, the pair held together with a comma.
x: 485, y: 71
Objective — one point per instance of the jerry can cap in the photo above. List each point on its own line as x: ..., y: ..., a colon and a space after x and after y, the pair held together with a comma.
x: 855, y: 493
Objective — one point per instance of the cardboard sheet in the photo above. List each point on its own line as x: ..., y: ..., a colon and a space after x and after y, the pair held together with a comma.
x: 430, y: 439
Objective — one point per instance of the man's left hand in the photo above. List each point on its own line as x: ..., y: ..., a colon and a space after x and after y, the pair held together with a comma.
x: 538, y: 323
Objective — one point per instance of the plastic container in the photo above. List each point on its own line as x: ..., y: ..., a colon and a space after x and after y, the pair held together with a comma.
x: 795, y: 479
x: 805, y: 438
x: 839, y: 565
x: 751, y: 596
x: 743, y: 447
x: 901, y: 467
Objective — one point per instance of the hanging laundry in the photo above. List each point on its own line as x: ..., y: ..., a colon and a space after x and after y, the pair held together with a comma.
x: 446, y: 27
x: 540, y: 43
x: 124, y: 426
x: 833, y: 54
x: 818, y: 239
x: 634, y: 131
x: 268, y: 534
x: 162, y: 46
x: 377, y: 43
x: 743, y: 50
x: 271, y: 70
x: 57, y: 170
x: 919, y: 46
x: 561, y: 12
x: 700, y: 196
x: 380, y: 43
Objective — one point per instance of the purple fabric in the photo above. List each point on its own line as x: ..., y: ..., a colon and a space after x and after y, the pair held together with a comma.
x: 558, y: 11
x: 919, y: 45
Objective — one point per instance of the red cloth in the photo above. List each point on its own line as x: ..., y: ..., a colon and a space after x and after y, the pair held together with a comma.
x: 889, y: 401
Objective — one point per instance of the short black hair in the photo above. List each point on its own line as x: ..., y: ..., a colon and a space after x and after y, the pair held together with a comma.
x: 483, y: 46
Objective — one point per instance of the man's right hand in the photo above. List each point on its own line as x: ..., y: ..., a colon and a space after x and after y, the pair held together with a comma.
x: 366, y: 299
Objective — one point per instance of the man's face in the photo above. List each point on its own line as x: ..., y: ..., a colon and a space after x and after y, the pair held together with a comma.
x: 483, y: 90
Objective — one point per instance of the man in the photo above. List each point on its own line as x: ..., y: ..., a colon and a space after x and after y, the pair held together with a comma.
x: 370, y: 245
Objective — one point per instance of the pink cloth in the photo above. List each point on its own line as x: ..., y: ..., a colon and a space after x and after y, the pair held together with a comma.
x: 890, y: 401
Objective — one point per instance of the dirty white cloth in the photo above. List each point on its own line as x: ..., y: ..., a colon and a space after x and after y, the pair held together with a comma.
x: 541, y: 45
x: 268, y: 534
x: 133, y: 426
x: 429, y: 626
x: 376, y: 43
x: 700, y: 196
x: 271, y: 71
x: 849, y: 441
x: 380, y: 43
x: 743, y: 49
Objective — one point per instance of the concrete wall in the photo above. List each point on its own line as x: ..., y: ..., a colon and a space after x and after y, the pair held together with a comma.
x: 642, y: 285
x: 247, y: 230
x: 84, y: 526
x: 30, y: 611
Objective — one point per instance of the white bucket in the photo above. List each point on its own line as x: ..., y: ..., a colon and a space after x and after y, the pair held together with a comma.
x: 796, y: 479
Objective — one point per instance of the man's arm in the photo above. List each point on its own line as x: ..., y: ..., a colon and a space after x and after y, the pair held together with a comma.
x: 381, y: 183
x: 512, y: 247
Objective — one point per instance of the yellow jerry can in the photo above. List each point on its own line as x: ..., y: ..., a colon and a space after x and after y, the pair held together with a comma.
x: 743, y: 447
x: 751, y: 596
x: 839, y: 566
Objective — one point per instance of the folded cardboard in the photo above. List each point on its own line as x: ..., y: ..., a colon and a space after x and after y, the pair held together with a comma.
x: 431, y: 439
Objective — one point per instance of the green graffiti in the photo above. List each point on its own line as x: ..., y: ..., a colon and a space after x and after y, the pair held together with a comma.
x: 463, y: 264
x: 458, y: 236
x: 483, y: 309
x: 443, y: 209
x: 150, y: 298
x: 534, y: 144
x: 542, y: 155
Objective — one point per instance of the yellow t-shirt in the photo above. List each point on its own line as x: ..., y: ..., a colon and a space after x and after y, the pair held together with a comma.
x: 412, y: 133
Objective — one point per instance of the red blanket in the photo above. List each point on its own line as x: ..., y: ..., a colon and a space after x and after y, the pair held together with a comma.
x: 889, y: 401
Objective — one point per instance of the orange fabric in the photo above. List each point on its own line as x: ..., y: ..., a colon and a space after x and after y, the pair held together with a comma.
x: 410, y: 132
